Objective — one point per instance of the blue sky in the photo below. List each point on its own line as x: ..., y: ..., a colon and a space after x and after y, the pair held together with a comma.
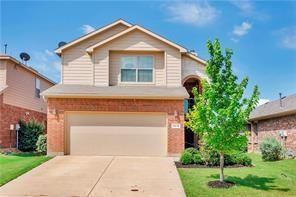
x: 262, y: 34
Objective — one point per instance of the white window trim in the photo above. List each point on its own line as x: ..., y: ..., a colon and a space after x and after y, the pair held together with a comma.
x: 136, y: 82
x: 37, y: 79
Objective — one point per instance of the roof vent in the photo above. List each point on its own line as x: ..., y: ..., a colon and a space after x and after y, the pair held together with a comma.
x: 193, y: 52
x: 281, y: 99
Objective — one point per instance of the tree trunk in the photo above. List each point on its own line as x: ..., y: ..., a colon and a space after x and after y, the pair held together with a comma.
x: 221, y: 167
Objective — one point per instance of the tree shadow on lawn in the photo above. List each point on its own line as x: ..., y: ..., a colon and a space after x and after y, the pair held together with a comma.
x: 253, y: 181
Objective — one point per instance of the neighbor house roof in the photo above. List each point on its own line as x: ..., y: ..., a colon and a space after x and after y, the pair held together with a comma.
x: 89, y: 91
x: 275, y: 108
x: 30, y: 69
x: 86, y: 36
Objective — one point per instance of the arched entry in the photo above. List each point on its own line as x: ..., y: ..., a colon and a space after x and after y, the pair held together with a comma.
x: 191, y: 139
x: 190, y: 82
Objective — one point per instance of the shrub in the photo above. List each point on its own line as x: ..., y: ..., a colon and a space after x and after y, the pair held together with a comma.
x: 243, y: 159
x: 28, y: 134
x: 191, y: 150
x: 186, y: 158
x: 271, y: 150
x: 197, y: 159
x: 190, y: 156
x: 41, y: 146
x: 238, y: 159
x: 210, y: 157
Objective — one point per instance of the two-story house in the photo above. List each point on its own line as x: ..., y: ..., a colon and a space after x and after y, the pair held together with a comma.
x: 20, y: 88
x: 122, y: 92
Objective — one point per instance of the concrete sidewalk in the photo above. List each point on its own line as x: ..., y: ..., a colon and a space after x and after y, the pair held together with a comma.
x: 99, y: 176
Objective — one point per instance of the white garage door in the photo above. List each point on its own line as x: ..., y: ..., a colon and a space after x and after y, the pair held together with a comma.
x: 116, y: 134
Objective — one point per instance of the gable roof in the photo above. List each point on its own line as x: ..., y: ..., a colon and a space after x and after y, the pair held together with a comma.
x: 275, y: 109
x: 130, y: 28
x: 136, y: 27
x: 86, y: 36
x: 30, y: 69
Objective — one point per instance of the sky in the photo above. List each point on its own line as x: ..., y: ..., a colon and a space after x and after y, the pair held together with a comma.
x: 262, y: 34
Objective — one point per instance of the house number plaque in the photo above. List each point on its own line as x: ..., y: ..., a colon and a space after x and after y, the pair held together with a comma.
x: 175, y: 125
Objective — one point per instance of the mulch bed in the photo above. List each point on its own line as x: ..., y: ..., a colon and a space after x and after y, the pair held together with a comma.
x: 219, y: 184
x: 180, y: 165
x: 9, y: 150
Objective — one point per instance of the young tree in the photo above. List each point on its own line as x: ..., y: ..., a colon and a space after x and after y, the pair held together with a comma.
x: 220, y: 113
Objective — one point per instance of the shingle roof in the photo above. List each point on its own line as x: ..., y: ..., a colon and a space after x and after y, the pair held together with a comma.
x: 274, y: 108
x: 128, y: 92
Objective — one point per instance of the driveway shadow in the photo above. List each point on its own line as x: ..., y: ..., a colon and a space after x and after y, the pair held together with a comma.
x: 254, y: 181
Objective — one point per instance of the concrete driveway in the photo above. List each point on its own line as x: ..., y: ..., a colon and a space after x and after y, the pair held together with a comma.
x: 99, y: 176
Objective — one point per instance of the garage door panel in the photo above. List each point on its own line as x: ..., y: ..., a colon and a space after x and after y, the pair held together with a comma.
x: 88, y: 138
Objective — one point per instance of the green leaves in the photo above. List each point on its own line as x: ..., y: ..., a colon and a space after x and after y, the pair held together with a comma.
x: 220, y: 114
x: 28, y: 134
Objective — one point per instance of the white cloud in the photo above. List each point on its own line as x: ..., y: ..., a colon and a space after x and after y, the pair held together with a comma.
x: 242, y: 29
x: 195, y: 13
x: 87, y: 29
x: 57, y: 65
x: 287, y: 37
x: 47, y: 64
x: 234, y: 39
x: 262, y: 101
x: 49, y: 53
x: 248, y: 8
x: 245, y: 6
x: 40, y: 56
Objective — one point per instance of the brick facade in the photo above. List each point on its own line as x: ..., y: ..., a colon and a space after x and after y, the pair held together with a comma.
x: 270, y: 128
x: 11, y: 115
x: 58, y: 106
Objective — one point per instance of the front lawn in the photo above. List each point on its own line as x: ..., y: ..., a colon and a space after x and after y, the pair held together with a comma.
x: 265, y: 179
x: 12, y: 166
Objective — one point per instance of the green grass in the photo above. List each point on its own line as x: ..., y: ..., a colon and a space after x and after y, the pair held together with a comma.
x: 265, y: 179
x: 12, y: 166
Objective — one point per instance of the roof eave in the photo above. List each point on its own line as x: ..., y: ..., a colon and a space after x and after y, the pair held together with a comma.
x: 3, y: 89
x: 194, y: 57
x: 58, y: 51
x: 264, y: 117
x: 90, y: 49
x: 90, y: 96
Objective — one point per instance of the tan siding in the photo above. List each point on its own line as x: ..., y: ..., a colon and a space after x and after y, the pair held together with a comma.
x: 138, y: 41
x: 21, y: 89
x: 115, y: 62
x: 77, y: 64
x: 192, y: 67
x: 2, y: 73
x: 101, y: 68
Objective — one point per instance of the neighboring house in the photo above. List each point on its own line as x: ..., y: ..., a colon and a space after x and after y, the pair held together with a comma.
x: 274, y: 119
x: 20, y: 88
x: 121, y: 93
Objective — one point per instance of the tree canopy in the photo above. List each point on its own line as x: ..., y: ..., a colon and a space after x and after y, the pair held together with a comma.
x: 220, y: 113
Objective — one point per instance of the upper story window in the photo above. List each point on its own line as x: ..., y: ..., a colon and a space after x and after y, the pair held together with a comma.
x: 137, y: 69
x: 37, y: 87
